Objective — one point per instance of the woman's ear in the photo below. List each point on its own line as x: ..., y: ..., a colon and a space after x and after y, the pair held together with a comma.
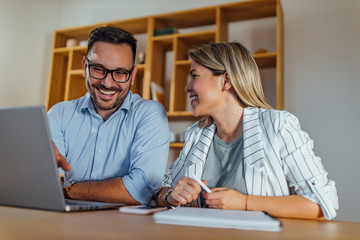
x: 226, y: 82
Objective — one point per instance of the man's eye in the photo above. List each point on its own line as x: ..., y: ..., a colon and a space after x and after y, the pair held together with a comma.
x: 99, y: 70
x: 120, y: 73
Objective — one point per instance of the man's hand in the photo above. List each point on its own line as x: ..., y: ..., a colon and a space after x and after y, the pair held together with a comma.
x: 60, y: 159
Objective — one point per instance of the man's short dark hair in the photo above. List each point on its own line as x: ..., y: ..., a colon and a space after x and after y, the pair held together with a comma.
x: 112, y: 35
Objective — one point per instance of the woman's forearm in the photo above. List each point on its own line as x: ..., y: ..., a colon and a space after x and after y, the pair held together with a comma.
x: 160, y: 196
x: 294, y: 206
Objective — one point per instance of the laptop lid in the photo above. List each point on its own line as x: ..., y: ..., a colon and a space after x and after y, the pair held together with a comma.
x: 28, y: 170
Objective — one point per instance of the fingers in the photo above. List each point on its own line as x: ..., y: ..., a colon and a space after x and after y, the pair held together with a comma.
x: 185, y: 191
x: 60, y: 159
x: 215, y: 194
x: 218, y: 189
x: 218, y: 198
x: 213, y: 199
x: 225, y: 198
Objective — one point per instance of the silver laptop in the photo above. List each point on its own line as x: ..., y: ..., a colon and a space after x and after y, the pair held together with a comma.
x: 28, y: 170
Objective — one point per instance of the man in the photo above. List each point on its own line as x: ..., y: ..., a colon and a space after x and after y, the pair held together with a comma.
x: 116, y: 142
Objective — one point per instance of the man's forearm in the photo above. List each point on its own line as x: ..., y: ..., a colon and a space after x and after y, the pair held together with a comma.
x: 111, y: 190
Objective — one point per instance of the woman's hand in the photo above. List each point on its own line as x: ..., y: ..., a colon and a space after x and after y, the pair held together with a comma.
x: 185, y: 191
x: 225, y: 198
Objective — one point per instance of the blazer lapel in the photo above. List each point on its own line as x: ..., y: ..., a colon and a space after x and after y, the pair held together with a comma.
x: 198, y: 153
x: 253, y: 152
x: 252, y: 136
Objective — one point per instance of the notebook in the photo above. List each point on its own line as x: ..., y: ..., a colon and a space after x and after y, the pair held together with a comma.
x: 28, y: 170
x: 219, y: 218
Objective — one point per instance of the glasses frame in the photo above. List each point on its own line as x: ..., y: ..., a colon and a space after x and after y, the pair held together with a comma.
x: 107, y: 71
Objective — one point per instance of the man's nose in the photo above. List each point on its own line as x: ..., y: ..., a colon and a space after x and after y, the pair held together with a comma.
x: 108, y: 80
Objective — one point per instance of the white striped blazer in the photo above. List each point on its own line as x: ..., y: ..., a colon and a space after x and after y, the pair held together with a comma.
x: 278, y: 158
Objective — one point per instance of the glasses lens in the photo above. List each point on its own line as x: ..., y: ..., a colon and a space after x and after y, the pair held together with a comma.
x: 97, y: 72
x: 120, y: 76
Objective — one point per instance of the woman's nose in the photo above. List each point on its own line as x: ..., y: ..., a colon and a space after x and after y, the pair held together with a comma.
x: 188, y: 86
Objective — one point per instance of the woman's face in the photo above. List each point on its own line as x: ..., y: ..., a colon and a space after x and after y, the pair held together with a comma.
x: 204, y: 90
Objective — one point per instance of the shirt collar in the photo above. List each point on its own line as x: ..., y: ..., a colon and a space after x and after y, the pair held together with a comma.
x: 88, y: 104
x: 127, y: 102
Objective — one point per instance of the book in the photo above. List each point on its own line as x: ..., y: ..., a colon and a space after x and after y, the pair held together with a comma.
x: 219, y: 218
x: 164, y: 31
x: 157, y: 93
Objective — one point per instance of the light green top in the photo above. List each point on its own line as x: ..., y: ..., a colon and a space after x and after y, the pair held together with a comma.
x: 224, y: 164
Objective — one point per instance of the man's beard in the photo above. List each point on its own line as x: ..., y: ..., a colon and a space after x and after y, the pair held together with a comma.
x: 97, y: 102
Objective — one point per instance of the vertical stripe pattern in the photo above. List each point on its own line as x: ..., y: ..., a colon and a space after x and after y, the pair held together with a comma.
x: 278, y: 159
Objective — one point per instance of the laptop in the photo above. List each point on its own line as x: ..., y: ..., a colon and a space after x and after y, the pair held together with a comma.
x: 29, y: 174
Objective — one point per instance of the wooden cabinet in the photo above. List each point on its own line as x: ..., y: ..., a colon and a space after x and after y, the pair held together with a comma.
x: 190, y: 28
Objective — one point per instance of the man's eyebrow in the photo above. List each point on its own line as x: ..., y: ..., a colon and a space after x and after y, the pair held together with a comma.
x: 96, y: 64
x: 115, y: 69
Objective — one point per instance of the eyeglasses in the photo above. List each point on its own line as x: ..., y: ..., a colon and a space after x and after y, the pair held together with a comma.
x: 119, y: 75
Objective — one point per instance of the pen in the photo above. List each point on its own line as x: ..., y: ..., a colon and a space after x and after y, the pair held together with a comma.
x: 201, y: 183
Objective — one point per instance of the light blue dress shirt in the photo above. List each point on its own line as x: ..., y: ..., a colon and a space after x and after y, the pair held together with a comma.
x: 133, y: 143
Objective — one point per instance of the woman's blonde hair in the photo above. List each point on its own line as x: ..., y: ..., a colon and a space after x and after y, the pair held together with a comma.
x: 235, y: 60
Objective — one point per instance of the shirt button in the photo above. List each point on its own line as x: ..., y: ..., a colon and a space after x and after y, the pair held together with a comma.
x: 94, y: 177
x: 100, y: 150
x: 313, y: 181
x: 93, y: 130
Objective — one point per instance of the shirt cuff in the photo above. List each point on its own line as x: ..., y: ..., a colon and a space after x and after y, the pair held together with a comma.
x: 68, y: 183
x: 138, y: 189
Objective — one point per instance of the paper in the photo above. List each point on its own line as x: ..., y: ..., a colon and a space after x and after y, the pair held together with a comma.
x: 219, y: 218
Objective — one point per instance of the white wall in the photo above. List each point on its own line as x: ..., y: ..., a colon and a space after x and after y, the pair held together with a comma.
x: 322, y: 87
x: 322, y: 56
x: 26, y: 34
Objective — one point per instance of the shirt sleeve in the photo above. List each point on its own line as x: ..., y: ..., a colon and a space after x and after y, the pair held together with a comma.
x: 304, y: 170
x: 54, y: 117
x: 149, y: 153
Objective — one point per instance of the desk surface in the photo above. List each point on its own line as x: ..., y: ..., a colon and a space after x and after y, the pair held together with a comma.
x: 18, y: 223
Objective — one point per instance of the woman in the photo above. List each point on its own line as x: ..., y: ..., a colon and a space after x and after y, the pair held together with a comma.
x: 252, y: 157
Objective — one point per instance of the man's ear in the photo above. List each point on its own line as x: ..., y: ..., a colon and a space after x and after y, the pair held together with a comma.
x: 226, y: 83
x: 133, y: 74
x: 84, y: 65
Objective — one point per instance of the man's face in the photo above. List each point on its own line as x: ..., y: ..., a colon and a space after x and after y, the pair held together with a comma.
x: 108, y: 95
